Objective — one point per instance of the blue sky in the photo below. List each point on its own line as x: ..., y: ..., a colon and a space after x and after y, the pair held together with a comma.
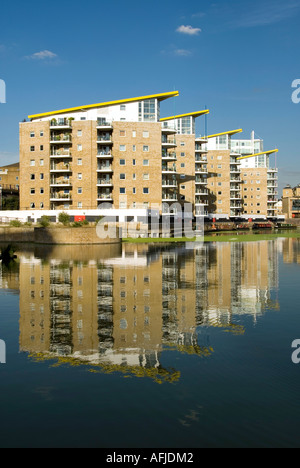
x: 237, y: 58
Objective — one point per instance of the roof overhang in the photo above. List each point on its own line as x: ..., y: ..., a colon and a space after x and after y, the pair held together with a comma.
x: 191, y: 114
x: 232, y: 132
x: 259, y: 154
x: 159, y: 97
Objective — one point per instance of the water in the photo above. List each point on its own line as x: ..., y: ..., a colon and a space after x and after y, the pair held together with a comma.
x: 151, y: 346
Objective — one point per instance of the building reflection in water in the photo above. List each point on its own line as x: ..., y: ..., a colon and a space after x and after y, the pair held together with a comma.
x: 120, y: 310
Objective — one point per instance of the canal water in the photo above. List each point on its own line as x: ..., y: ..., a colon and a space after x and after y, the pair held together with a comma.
x: 151, y: 346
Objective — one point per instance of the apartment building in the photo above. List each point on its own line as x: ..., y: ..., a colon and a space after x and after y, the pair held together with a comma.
x: 241, y: 182
x: 291, y: 201
x: 84, y: 158
x: 10, y: 176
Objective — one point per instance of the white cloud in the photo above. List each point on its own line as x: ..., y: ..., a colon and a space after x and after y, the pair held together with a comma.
x: 43, y: 55
x: 188, y: 30
x: 182, y: 52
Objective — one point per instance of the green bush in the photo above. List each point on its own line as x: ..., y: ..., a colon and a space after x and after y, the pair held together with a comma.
x: 15, y: 223
x: 45, y: 221
x: 64, y: 218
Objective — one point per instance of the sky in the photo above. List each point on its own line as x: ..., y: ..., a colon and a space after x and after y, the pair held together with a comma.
x: 239, y: 59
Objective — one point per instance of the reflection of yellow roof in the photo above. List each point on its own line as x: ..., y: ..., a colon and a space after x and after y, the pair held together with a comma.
x: 191, y: 114
x: 160, y: 97
x: 232, y: 132
x: 258, y: 154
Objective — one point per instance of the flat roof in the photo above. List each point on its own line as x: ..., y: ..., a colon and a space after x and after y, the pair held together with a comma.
x: 231, y: 132
x: 191, y: 114
x: 258, y: 154
x: 160, y: 97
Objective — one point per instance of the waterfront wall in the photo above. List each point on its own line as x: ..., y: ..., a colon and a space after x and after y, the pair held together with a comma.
x: 86, y: 235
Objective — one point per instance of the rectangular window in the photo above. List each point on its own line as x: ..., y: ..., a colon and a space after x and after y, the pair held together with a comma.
x: 182, y: 155
x: 145, y: 134
x: 146, y: 162
x: 79, y: 190
x: 82, y: 118
x: 182, y: 165
x: 122, y: 147
x: 32, y: 177
x: 134, y: 148
x: 133, y: 162
x: 133, y: 176
x: 79, y: 133
x: 79, y: 162
x: 145, y: 176
x: 145, y: 148
x: 41, y: 191
x: 122, y: 176
x: 32, y: 162
x: 32, y: 134
x: 41, y: 162
x: 122, y: 133
x: 182, y: 143
x: 134, y: 190
x: 122, y: 190
x: 41, y: 133
x: 122, y: 162
x: 134, y: 134
x: 79, y: 176
x: 79, y: 147
x: 42, y: 176
x: 79, y: 204
x: 123, y: 107
x: 32, y: 191
x: 32, y: 148
x: 145, y: 190
x: 41, y: 147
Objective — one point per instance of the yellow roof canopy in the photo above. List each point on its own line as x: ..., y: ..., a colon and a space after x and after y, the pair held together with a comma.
x: 191, y: 114
x: 259, y: 154
x: 232, y: 132
x: 160, y: 97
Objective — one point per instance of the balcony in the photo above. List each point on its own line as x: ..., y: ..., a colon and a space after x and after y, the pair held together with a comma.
x: 168, y: 128
x: 60, y: 168
x: 201, y: 140
x: 60, y: 139
x: 104, y: 154
x: 169, y: 183
x: 200, y: 181
x: 105, y: 182
x: 60, y: 183
x: 102, y: 123
x: 168, y: 170
x: 200, y: 149
x: 60, y: 196
x: 104, y: 196
x: 168, y: 142
x: 60, y: 154
x: 169, y: 156
x: 235, y: 180
x: 201, y: 201
x: 104, y: 168
x: 200, y: 170
x: 169, y: 197
x: 104, y: 138
x: 201, y: 192
x: 60, y: 123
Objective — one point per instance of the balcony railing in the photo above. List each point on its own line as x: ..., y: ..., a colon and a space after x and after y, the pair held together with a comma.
x: 104, y: 168
x: 60, y: 138
x: 104, y: 182
x: 60, y: 196
x: 168, y: 169
x: 168, y: 141
x: 62, y: 153
x: 105, y: 196
x: 60, y: 182
x: 60, y: 123
x: 60, y: 167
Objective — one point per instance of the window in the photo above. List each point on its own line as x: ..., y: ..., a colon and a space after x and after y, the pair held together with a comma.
x: 32, y: 134
x: 32, y: 176
x: 145, y: 148
x: 79, y: 133
x: 122, y: 176
x: 123, y: 107
x: 82, y: 118
x: 32, y: 162
x: 145, y: 176
x: 145, y: 134
x: 122, y: 190
x: 134, y: 148
x: 182, y: 165
x: 122, y: 133
x: 79, y: 204
x: 145, y: 190
x: 41, y: 147
x: 134, y: 134
x: 79, y: 162
x: 122, y: 162
x: 42, y: 176
x: 220, y: 158
x: 220, y: 184
x: 79, y: 176
x: 182, y: 155
x: 183, y: 187
x: 182, y: 143
x: 32, y: 205
x: 146, y: 162
x: 133, y: 176
x: 41, y: 191
x: 41, y: 162
x: 41, y: 133
x: 79, y: 147
x: 32, y: 191
x: 133, y: 162
x: 79, y: 190
x: 182, y: 176
x: 122, y: 147
x: 41, y: 205
x: 219, y: 166
x: 134, y: 190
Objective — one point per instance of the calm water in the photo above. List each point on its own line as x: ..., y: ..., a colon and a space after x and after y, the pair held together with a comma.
x: 151, y: 346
